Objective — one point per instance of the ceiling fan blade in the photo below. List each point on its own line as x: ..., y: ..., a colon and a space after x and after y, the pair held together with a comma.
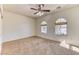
x: 35, y: 12
x: 46, y: 10
x: 33, y: 9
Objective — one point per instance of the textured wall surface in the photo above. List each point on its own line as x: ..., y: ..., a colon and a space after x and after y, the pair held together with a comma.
x: 35, y: 46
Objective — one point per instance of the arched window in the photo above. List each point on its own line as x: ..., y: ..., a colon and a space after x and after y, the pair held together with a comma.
x: 43, y: 27
x: 61, y: 26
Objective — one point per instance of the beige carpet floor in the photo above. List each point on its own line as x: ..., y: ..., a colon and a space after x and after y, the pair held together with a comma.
x: 35, y: 46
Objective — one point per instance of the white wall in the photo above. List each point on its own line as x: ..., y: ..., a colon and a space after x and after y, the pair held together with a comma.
x: 0, y: 33
x: 16, y: 26
x: 72, y: 16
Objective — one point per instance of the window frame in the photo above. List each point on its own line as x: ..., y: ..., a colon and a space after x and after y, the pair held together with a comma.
x: 43, y: 26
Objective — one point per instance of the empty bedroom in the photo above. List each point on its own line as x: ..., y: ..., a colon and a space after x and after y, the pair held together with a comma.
x: 39, y: 29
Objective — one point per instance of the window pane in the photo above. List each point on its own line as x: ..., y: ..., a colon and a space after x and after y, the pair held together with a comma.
x: 61, y: 29
x: 44, y: 29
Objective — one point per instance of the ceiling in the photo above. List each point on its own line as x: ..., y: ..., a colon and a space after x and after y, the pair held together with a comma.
x: 24, y: 9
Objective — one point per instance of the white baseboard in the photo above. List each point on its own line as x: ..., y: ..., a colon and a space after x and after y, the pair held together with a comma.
x: 17, y: 38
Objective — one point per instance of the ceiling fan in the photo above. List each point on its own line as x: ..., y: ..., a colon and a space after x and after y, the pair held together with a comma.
x: 39, y: 9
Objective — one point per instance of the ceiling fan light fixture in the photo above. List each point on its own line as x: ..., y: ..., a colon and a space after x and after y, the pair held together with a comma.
x: 40, y: 13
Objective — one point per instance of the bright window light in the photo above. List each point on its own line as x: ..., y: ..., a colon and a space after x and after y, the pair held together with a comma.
x: 64, y: 44
x: 61, y: 27
x: 44, y: 27
x: 75, y: 48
